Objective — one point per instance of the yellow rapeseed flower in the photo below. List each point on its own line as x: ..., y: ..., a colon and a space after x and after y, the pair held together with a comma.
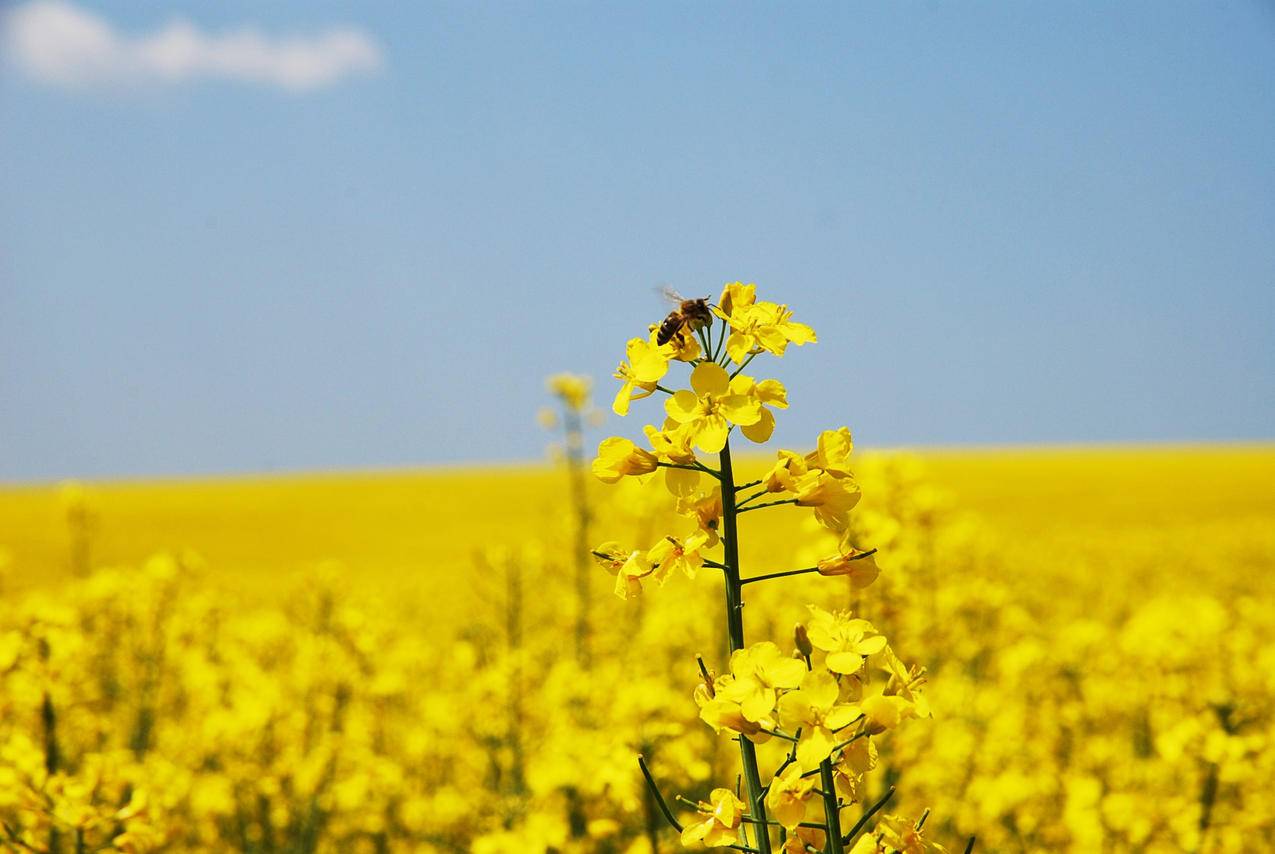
x: 671, y: 554
x: 671, y: 446
x: 645, y: 365
x: 722, y: 818
x: 815, y: 710
x: 832, y: 453
x: 767, y: 393
x: 831, y: 497
x: 788, y: 795
x: 859, y: 566
x: 628, y: 567
x: 846, y: 639
x: 619, y: 457
x: 758, y: 326
x: 706, y: 413
x: 759, y: 672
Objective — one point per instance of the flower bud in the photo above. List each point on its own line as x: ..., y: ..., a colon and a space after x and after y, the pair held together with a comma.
x: 802, y: 639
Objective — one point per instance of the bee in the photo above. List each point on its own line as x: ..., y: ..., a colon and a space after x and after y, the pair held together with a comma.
x: 690, y: 314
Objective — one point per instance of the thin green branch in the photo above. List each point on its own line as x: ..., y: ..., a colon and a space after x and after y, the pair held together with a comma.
x: 780, y: 574
x: 758, y: 494
x: 768, y: 504
x: 721, y: 341
x: 659, y: 798
x: 867, y: 816
x: 697, y: 466
x: 740, y: 369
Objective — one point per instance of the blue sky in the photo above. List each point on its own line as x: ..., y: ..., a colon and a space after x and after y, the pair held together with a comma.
x: 1009, y: 223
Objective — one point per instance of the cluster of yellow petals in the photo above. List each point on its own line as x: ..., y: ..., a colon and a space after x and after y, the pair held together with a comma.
x: 821, y: 479
x: 618, y: 457
x: 767, y: 691
x: 644, y: 366
x: 705, y: 413
x: 817, y: 711
x: 758, y: 326
x: 657, y: 563
x: 896, y: 835
x: 720, y: 822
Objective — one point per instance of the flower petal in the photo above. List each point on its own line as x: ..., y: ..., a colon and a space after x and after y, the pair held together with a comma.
x: 710, y: 378
x: 762, y: 430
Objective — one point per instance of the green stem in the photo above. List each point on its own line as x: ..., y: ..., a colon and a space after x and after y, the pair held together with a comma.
x: 831, y: 810
x: 740, y: 369
x: 721, y: 341
x: 779, y: 574
x: 735, y: 630
x: 580, y: 498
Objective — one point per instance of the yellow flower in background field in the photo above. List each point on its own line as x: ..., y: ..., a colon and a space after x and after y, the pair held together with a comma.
x: 720, y: 821
x: 706, y: 413
x: 645, y: 365
x: 816, y: 712
x: 572, y: 389
x: 618, y: 457
x: 1079, y: 711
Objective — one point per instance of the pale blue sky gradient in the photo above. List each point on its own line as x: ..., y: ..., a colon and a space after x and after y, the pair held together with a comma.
x: 1009, y: 223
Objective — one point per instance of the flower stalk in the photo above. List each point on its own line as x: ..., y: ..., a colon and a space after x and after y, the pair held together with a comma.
x: 735, y: 629
x: 822, y: 697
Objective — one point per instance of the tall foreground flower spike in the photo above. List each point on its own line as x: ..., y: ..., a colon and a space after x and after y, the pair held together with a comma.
x: 842, y: 686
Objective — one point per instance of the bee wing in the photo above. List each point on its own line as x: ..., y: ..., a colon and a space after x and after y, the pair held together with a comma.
x: 671, y: 295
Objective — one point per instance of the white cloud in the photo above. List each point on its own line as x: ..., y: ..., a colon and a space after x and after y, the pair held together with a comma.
x: 60, y: 43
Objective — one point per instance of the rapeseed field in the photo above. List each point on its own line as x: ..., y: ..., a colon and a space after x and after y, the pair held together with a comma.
x: 1020, y: 650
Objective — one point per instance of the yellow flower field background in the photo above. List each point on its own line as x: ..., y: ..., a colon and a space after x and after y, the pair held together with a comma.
x: 1080, y: 654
